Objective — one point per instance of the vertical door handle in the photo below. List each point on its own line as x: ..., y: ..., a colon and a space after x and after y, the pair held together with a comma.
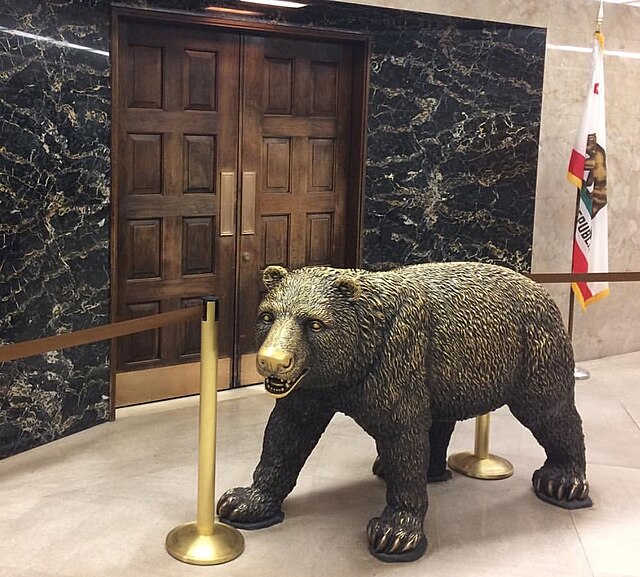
x: 227, y: 202
x: 248, y: 202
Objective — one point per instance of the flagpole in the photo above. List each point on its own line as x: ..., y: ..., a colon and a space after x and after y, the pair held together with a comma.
x: 578, y: 372
x: 572, y: 296
x: 572, y: 306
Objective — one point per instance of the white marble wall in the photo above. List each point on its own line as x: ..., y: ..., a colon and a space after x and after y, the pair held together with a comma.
x: 611, y: 326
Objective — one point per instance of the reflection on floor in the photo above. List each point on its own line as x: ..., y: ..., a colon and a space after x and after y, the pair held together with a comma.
x: 100, y: 503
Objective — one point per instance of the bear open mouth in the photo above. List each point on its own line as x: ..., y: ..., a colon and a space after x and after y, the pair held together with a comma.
x: 279, y: 388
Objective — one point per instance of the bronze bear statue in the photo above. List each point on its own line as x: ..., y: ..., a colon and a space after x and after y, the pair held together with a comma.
x: 407, y: 353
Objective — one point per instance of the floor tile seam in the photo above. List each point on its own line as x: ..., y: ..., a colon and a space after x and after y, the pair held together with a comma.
x: 96, y: 479
x: 620, y: 358
x: 582, y: 545
x: 88, y: 486
x: 96, y: 499
x: 16, y: 571
x: 22, y: 572
x: 633, y: 419
x: 612, y: 466
x: 156, y: 407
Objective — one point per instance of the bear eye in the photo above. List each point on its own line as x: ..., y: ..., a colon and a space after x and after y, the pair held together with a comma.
x: 266, y: 318
x: 315, y: 325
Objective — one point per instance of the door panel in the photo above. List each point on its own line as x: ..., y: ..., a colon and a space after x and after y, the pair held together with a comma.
x: 297, y: 103
x: 233, y: 152
x: 178, y: 133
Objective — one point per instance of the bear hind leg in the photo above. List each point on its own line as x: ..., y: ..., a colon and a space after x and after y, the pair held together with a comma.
x: 439, y: 437
x: 562, y: 480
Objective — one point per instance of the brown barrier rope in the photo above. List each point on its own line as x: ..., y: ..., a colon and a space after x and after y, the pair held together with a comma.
x: 95, y: 334
x: 565, y: 278
x: 123, y: 328
x: 561, y: 277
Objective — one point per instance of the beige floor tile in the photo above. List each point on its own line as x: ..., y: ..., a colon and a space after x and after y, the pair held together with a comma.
x: 610, y: 531
x: 100, y: 503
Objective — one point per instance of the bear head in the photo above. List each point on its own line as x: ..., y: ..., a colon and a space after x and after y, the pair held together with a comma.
x: 307, y: 328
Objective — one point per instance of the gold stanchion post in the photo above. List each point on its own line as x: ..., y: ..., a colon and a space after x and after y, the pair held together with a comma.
x: 481, y: 464
x: 206, y: 542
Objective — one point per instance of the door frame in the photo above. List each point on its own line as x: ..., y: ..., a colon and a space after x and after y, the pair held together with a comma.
x: 360, y: 43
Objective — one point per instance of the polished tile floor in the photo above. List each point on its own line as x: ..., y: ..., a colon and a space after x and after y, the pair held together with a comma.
x: 100, y: 503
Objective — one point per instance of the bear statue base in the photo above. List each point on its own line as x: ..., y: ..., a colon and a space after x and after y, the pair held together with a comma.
x: 406, y: 354
x: 571, y: 505
x: 254, y: 525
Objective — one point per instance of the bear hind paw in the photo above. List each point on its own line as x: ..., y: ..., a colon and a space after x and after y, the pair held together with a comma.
x: 563, y: 490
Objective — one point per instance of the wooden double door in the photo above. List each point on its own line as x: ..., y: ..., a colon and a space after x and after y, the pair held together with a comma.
x: 233, y: 150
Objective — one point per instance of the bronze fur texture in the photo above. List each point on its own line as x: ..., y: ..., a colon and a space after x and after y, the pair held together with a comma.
x: 407, y: 353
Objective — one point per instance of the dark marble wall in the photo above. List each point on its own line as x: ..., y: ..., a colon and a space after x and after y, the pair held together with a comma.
x: 54, y: 215
x: 453, y: 124
x: 453, y: 145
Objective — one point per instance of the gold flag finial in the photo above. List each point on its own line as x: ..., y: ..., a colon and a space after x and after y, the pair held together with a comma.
x: 600, y: 17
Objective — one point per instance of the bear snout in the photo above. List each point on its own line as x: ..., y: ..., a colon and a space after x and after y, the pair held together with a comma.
x: 273, y: 361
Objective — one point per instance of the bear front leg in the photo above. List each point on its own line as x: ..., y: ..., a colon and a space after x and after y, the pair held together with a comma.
x: 439, y: 437
x: 294, y: 428
x: 398, y: 534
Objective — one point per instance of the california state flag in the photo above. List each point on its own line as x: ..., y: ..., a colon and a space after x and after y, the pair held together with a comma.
x: 588, y: 171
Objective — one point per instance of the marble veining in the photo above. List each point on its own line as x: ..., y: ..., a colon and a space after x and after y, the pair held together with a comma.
x: 452, y: 154
x: 453, y: 126
x: 54, y: 215
x: 453, y: 122
x: 453, y: 129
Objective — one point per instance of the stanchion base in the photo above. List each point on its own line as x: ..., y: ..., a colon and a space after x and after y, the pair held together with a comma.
x: 491, y: 467
x: 580, y: 374
x: 187, y: 545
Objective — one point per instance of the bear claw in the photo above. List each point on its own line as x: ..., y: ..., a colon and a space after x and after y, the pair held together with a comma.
x: 568, y: 492
x: 247, y: 508
x: 395, y: 541
x: 406, y: 557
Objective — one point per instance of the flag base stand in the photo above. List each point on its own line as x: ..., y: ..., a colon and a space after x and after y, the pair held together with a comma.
x: 580, y: 374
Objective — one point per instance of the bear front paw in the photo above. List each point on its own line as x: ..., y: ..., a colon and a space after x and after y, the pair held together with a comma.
x: 397, y: 537
x: 248, y: 508
x: 565, y: 490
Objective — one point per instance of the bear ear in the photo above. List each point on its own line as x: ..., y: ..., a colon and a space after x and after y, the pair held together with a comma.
x: 272, y: 276
x: 348, y: 287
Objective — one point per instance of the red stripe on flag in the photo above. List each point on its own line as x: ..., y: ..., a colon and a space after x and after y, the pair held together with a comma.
x: 576, y: 168
x: 580, y: 265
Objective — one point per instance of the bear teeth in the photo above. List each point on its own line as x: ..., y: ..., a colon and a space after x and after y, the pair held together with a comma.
x: 281, y: 387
